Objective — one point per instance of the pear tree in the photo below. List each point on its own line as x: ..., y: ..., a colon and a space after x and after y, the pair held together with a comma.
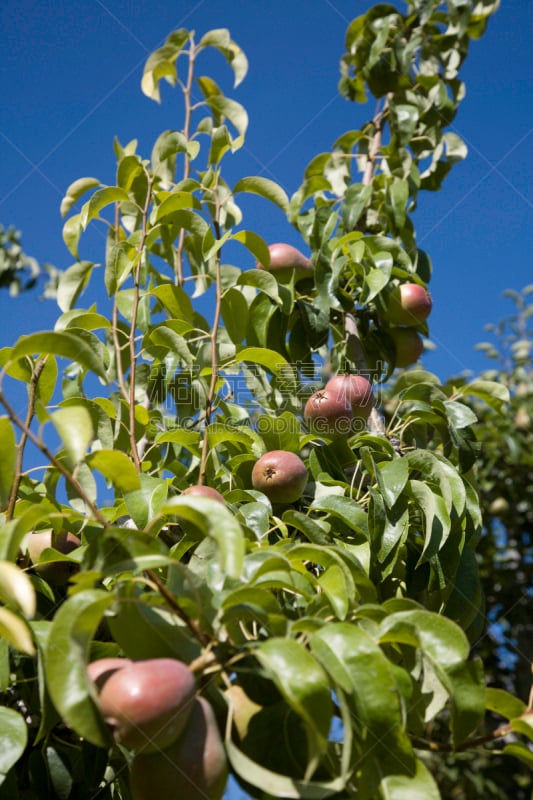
x: 324, y: 632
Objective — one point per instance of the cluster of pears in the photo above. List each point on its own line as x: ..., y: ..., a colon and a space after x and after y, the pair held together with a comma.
x: 152, y: 708
x: 404, y: 308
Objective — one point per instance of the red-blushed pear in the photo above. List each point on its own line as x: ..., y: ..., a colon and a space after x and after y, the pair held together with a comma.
x: 100, y: 670
x: 148, y: 703
x: 328, y: 411
x: 357, y: 391
x: 195, y: 767
x: 65, y: 542
x: 286, y: 260
x: 407, y: 304
x: 408, y: 345
x: 341, y: 407
x: 199, y: 490
x: 281, y: 475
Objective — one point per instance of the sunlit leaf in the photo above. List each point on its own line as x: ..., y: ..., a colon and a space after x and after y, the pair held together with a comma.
x: 13, y: 739
x: 16, y: 589
x: 74, y: 426
x: 8, y: 456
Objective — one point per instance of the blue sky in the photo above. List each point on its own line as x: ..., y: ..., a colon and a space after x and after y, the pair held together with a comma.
x: 71, y: 82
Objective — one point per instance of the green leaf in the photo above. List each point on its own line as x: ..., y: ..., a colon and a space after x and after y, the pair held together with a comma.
x: 119, y: 264
x: 146, y: 503
x: 420, y: 786
x: 466, y: 684
x: 302, y: 682
x: 266, y: 358
x: 217, y: 523
x: 8, y: 455
x: 74, y: 426
x: 345, y: 509
x: 494, y: 394
x: 436, y: 516
x: 521, y: 751
x: 398, y: 192
x: 276, y: 784
x: 72, y: 230
x: 117, y: 468
x: 13, y: 739
x: 190, y: 440
x: 356, y: 198
x: 75, y: 191
x: 255, y: 244
x: 15, y: 629
x: 99, y: 200
x: 265, y: 188
x: 66, y: 345
x: 162, y: 64
x: 176, y: 301
x: 220, y: 39
x: 356, y: 663
x: 503, y: 703
x: 281, y: 432
x: 72, y: 282
x: 392, y: 478
x: 146, y: 632
x: 65, y: 660
x: 456, y: 149
x: 176, y: 201
x: 404, y: 118
x: 262, y: 280
x: 16, y: 589
x: 234, y: 308
x: 440, y: 638
x: 224, y: 108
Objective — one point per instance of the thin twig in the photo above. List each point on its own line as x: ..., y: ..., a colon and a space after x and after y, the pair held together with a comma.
x: 187, y: 91
x: 195, y: 629
x: 32, y: 396
x: 468, y: 744
x: 214, y: 355
x: 135, y: 309
x: 54, y: 461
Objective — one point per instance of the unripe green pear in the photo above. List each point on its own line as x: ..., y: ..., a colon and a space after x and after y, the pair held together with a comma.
x: 193, y: 768
x: 148, y: 703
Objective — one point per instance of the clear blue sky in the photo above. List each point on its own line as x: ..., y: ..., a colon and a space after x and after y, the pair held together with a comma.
x: 71, y: 82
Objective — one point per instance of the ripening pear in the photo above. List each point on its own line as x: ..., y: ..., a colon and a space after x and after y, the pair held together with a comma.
x: 193, y: 768
x: 148, y: 703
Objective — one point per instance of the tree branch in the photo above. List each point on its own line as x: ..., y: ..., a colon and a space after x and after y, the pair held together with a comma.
x: 351, y: 331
